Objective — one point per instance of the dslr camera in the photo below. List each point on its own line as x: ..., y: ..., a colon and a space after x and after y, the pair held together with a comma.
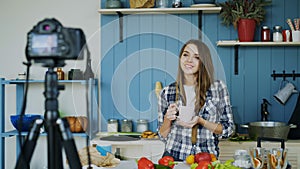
x: 49, y: 40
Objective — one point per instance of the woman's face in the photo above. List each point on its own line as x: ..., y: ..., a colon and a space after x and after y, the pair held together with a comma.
x: 189, y: 60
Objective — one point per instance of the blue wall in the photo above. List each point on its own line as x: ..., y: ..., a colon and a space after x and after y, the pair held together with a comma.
x: 149, y: 52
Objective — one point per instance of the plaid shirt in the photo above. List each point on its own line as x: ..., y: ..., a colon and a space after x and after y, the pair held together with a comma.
x: 216, y: 109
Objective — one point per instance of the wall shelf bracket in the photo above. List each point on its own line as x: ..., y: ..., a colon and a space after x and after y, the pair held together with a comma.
x: 200, y: 24
x: 120, y: 14
x: 236, y: 59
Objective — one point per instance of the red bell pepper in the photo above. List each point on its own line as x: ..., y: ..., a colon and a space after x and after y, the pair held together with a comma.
x: 145, y: 163
x: 167, y: 161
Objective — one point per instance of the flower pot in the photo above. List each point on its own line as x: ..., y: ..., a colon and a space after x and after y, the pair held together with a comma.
x: 246, y: 30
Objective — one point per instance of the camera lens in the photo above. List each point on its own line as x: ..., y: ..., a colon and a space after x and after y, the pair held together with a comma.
x: 46, y: 27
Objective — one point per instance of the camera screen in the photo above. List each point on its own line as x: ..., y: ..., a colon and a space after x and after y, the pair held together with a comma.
x: 44, y: 45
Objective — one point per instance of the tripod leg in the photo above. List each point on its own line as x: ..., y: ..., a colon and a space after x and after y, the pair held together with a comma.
x: 29, y: 145
x: 69, y: 144
x: 54, y: 141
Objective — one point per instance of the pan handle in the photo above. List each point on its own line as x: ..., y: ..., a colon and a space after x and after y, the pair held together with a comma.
x: 244, y: 126
x: 259, y: 139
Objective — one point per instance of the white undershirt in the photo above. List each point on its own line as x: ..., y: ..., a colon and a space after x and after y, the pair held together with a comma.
x: 190, y: 95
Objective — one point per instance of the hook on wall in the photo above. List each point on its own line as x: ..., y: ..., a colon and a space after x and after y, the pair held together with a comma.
x: 285, y: 75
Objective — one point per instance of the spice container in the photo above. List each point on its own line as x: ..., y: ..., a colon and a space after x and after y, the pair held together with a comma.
x: 265, y: 34
x: 142, y: 125
x: 126, y: 125
x: 277, y: 34
x: 112, y: 125
x: 60, y: 74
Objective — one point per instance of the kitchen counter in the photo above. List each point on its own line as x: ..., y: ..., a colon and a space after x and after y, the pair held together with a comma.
x: 132, y: 150
x: 133, y: 165
x: 153, y: 149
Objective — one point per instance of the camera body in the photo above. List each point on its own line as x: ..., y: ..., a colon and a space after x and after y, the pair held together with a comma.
x: 49, y: 40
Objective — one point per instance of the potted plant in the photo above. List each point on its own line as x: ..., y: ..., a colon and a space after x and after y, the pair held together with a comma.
x: 244, y: 15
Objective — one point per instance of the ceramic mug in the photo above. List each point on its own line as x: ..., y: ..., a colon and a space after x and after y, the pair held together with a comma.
x: 286, y: 34
x: 284, y: 94
x: 296, y: 36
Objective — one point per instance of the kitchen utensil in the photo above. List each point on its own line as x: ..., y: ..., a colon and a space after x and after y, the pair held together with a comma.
x: 277, y: 158
x: 268, y: 129
x: 284, y: 93
x: 270, y: 160
x: 257, y: 155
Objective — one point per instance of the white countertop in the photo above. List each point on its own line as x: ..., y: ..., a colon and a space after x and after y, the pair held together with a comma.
x: 133, y: 165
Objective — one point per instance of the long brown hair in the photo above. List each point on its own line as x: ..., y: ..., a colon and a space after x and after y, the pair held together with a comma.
x: 204, y: 76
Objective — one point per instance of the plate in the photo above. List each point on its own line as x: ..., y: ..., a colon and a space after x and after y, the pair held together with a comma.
x: 202, y: 5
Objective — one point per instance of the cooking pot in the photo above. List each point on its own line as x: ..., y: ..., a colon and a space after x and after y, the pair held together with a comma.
x: 268, y: 129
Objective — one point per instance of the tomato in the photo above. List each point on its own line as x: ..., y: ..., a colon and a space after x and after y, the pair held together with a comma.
x: 202, y: 156
x: 205, y: 165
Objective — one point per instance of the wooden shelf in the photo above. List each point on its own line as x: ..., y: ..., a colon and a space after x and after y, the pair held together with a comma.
x: 237, y: 44
x: 186, y: 10
x: 16, y: 133
x: 234, y: 43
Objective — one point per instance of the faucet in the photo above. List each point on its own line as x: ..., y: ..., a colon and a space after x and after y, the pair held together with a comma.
x: 264, y: 110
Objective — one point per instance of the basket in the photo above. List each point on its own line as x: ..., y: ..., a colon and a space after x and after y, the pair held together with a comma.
x: 28, y: 119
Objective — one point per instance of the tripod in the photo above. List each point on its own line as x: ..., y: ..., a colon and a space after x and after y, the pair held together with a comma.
x: 58, y: 133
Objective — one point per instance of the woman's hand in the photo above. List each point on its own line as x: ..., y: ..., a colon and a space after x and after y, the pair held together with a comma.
x: 171, y: 112
x: 189, y: 124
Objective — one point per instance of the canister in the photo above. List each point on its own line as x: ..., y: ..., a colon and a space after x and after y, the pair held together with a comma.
x: 112, y: 125
x: 265, y: 34
x: 277, y: 34
x: 142, y: 125
x: 126, y: 125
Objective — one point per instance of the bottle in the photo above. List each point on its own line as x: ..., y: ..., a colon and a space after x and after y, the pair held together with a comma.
x: 265, y: 34
x: 264, y: 110
x: 277, y: 34
x: 118, y: 154
x: 60, y: 74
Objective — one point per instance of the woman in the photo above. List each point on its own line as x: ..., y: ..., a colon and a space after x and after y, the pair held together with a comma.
x: 194, y: 88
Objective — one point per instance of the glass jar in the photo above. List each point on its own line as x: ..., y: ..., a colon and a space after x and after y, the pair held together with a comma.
x: 265, y: 34
x: 277, y: 34
x: 60, y: 74
x: 126, y: 125
x: 161, y: 4
x: 142, y: 125
x: 112, y: 125
x: 113, y: 4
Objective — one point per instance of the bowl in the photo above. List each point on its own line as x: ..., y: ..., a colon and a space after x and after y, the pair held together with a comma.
x: 28, y: 119
x: 269, y: 129
x: 204, y: 1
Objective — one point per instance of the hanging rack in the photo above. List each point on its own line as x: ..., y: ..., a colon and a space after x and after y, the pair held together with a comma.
x: 284, y: 75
